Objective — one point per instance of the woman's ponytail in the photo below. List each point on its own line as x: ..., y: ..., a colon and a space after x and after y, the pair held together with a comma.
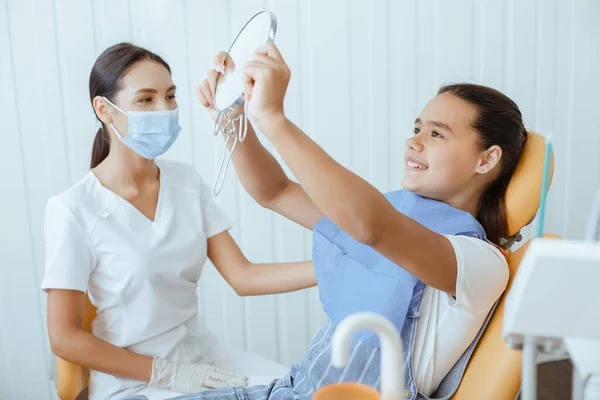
x: 100, y: 148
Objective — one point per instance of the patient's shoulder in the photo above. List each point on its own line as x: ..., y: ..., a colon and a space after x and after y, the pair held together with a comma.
x: 482, y: 274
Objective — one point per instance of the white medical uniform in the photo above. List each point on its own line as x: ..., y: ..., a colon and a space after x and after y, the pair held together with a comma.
x: 142, y: 275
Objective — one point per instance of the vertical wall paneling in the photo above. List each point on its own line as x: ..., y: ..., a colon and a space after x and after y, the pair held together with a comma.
x: 21, y: 308
x: 583, y: 179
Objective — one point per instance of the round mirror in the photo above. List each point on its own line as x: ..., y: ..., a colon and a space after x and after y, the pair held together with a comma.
x: 259, y: 31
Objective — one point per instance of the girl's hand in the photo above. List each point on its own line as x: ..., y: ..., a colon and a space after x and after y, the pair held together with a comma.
x: 266, y: 80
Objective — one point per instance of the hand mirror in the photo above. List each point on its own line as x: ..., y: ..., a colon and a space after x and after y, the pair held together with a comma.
x: 229, y: 91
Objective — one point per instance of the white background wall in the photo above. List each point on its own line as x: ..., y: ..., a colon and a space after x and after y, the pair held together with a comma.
x: 361, y: 71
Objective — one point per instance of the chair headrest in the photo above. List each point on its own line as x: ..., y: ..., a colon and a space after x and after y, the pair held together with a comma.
x: 523, y: 194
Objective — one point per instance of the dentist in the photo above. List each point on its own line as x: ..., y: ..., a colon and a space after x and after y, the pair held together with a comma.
x: 134, y: 234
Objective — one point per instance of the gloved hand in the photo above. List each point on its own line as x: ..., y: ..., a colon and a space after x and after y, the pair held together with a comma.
x: 192, y: 378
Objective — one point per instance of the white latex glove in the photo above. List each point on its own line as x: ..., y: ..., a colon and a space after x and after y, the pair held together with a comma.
x: 192, y: 378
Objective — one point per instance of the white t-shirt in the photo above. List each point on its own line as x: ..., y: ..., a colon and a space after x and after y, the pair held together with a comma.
x: 447, y: 326
x: 141, y: 275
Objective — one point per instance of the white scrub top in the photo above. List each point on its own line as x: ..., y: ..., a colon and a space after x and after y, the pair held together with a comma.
x: 141, y: 275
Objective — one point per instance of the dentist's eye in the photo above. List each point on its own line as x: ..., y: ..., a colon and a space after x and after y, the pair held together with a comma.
x: 171, y: 97
x: 146, y: 100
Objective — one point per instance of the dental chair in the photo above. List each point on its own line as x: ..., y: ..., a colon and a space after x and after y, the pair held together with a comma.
x: 494, y: 370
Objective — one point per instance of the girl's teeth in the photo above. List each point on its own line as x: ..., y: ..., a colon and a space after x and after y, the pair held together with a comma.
x: 415, y: 165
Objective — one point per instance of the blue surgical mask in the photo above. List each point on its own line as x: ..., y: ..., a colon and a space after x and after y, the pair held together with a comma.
x: 150, y: 133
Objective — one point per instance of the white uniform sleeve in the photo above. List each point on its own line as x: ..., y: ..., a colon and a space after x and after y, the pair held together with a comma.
x: 215, y: 220
x: 70, y: 257
x: 482, y: 274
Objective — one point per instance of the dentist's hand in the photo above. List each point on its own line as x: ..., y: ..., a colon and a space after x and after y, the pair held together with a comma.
x: 206, y: 91
x: 266, y: 79
x: 192, y: 378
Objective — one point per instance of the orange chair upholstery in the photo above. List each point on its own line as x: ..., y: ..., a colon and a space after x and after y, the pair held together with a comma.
x: 523, y: 195
x: 494, y: 370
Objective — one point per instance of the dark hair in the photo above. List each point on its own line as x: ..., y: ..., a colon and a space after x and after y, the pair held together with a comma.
x: 499, y: 122
x: 105, y: 80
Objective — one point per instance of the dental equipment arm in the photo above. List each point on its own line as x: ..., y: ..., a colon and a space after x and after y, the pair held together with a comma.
x: 249, y: 279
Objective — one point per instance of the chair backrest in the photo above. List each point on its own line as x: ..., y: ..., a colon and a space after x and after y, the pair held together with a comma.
x: 494, y: 370
x: 523, y: 194
x: 73, y: 378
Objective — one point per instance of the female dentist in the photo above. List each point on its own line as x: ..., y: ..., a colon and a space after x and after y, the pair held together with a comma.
x: 134, y: 233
